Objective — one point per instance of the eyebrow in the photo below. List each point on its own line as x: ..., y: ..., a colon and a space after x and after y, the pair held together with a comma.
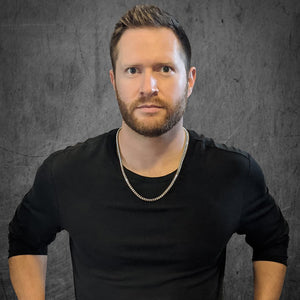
x: 131, y: 65
x: 154, y: 65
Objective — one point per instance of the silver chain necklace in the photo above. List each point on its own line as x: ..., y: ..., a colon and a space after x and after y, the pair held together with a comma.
x: 173, y: 180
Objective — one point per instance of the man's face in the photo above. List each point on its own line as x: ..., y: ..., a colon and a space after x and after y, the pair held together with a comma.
x: 150, y: 80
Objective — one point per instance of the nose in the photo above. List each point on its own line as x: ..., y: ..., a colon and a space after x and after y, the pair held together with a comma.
x: 148, y: 85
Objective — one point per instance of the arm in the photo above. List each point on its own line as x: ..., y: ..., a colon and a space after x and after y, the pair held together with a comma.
x: 268, y: 280
x: 267, y: 232
x: 28, y: 275
x: 33, y: 227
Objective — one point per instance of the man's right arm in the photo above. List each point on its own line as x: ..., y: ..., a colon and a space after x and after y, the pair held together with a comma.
x: 33, y: 227
x: 28, y: 276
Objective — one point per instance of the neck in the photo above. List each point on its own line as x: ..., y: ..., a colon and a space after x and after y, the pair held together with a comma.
x: 152, y: 156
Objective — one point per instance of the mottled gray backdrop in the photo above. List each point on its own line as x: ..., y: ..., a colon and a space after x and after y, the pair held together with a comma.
x: 55, y: 91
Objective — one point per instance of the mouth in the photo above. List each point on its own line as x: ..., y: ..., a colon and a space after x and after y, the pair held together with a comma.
x: 149, y: 108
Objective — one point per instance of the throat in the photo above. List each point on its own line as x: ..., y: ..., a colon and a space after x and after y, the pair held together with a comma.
x: 154, y: 171
x: 151, y: 157
x: 161, y: 171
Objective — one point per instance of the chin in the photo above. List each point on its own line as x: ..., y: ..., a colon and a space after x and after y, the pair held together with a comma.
x: 151, y: 130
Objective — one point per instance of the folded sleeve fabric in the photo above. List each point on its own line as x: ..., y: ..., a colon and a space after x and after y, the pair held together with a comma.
x: 36, y: 220
x: 261, y: 220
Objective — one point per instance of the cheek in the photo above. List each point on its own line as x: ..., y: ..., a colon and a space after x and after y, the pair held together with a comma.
x: 124, y: 90
x: 177, y: 87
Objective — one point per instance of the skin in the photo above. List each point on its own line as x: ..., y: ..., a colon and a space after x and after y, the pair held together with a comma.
x: 268, y: 280
x: 25, y: 267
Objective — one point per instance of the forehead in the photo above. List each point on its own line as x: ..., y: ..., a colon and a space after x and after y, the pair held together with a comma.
x: 148, y: 43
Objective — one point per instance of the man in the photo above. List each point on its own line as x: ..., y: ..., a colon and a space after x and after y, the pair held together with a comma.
x: 151, y: 206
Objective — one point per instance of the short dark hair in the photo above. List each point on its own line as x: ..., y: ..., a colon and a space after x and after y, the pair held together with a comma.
x: 149, y: 16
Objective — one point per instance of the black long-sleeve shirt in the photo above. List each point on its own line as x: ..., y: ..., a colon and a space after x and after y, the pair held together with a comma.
x: 125, y: 248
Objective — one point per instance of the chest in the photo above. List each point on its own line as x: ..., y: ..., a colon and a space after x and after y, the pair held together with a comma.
x: 188, y: 228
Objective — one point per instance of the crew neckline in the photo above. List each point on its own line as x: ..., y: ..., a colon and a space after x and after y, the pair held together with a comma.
x: 138, y: 177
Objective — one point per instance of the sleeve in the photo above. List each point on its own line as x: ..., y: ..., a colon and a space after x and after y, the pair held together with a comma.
x: 266, y: 230
x: 36, y: 220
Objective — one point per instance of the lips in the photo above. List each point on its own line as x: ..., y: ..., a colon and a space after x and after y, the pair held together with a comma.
x: 149, y: 108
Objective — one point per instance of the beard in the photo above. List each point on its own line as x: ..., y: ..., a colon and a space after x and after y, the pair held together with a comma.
x: 160, y: 124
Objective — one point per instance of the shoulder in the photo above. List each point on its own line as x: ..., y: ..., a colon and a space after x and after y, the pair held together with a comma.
x: 218, y: 154
x: 82, y: 152
x: 227, y: 161
x: 208, y: 144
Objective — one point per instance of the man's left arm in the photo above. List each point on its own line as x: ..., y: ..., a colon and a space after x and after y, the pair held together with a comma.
x: 268, y: 279
x: 267, y: 232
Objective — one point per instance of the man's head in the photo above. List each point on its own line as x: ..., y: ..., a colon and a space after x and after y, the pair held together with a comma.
x: 150, y: 74
x: 149, y: 16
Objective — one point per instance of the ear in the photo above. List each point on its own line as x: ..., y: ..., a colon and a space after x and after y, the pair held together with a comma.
x: 112, y: 78
x: 191, y: 80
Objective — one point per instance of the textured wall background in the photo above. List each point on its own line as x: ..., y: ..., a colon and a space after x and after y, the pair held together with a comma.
x: 55, y: 91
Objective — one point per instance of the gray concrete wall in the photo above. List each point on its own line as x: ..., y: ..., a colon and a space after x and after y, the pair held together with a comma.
x: 55, y: 91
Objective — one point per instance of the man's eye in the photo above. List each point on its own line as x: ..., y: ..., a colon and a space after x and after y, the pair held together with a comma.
x: 166, y: 69
x: 131, y: 70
